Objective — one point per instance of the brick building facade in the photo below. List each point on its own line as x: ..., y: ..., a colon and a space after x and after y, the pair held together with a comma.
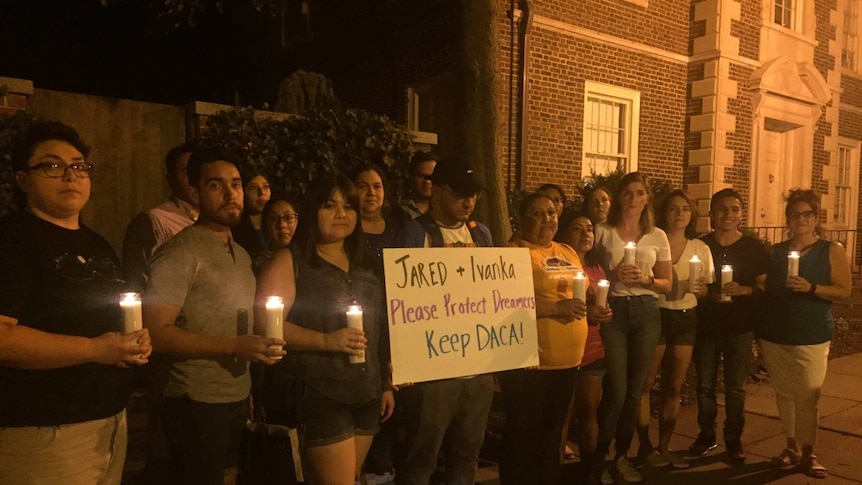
x: 758, y: 95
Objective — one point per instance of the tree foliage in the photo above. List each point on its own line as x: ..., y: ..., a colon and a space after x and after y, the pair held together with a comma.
x: 293, y: 149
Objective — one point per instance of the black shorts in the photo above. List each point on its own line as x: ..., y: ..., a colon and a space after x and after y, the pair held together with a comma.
x: 328, y: 421
x: 594, y: 368
x: 678, y: 327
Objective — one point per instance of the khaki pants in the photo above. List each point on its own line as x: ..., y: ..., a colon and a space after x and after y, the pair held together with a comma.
x: 89, y: 453
x: 797, y: 373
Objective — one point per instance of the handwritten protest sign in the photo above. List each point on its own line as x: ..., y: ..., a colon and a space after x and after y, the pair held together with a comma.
x: 459, y: 312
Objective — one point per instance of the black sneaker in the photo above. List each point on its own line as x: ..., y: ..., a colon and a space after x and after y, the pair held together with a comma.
x: 735, y: 453
x: 702, y: 445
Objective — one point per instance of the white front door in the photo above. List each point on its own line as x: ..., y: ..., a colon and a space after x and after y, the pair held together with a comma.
x: 776, y: 153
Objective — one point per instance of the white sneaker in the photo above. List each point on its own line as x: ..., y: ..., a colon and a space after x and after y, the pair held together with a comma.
x: 626, y: 471
x: 657, y: 459
x: 607, y: 478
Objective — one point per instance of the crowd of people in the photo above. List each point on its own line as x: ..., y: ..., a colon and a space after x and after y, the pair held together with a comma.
x: 211, y: 261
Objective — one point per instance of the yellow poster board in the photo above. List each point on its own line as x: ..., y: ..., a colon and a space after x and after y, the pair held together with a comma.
x: 455, y: 312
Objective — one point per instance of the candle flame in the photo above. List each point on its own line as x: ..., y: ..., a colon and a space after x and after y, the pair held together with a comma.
x: 354, y: 309
x: 579, y: 276
x: 131, y: 297
x: 694, y: 259
x: 726, y: 267
x: 604, y: 283
x: 793, y: 254
x: 631, y: 244
x: 274, y: 301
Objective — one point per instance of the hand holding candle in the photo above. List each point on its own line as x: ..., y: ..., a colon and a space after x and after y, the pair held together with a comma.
x: 630, y: 255
x: 580, y: 287
x: 695, y: 268
x: 354, y: 320
x: 602, y: 293
x: 792, y: 263
x: 275, y: 320
x: 726, y: 277
x: 132, y: 317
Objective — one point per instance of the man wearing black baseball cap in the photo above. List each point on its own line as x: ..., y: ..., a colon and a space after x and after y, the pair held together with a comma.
x: 448, y: 407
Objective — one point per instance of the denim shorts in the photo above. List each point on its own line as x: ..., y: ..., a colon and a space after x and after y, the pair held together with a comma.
x: 678, y: 327
x: 328, y: 421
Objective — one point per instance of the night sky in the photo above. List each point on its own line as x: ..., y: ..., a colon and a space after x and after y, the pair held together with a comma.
x: 125, y: 50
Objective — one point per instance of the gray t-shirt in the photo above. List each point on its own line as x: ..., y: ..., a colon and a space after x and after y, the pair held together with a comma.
x: 213, y: 283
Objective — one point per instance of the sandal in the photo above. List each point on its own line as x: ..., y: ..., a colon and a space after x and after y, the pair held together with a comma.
x: 788, y: 457
x: 814, y: 469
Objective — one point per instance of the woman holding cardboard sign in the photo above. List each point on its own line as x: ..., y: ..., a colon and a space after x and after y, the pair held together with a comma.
x: 536, y: 400
x: 334, y: 314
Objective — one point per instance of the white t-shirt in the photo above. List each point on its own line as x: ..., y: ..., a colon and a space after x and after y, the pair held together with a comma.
x: 679, y: 297
x: 458, y: 237
x: 652, y: 247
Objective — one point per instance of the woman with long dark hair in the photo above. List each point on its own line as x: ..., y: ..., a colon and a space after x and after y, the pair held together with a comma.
x: 319, y: 278
x: 677, y: 216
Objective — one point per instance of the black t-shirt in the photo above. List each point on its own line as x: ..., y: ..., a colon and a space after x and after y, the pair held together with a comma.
x: 749, y: 259
x: 65, y: 282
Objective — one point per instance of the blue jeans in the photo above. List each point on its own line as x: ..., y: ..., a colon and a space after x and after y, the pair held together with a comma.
x: 737, y: 365
x: 450, y: 410
x: 630, y: 340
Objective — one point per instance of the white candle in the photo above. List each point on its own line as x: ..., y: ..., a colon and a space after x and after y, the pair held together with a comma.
x: 694, y: 272
x: 726, y: 277
x: 631, y: 253
x: 131, y: 305
x: 602, y: 293
x: 275, y: 320
x: 354, y: 320
x: 580, y: 284
x: 793, y: 263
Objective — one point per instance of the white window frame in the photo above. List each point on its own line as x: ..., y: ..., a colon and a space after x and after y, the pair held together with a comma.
x: 795, y: 9
x: 846, y: 179
x: 631, y: 99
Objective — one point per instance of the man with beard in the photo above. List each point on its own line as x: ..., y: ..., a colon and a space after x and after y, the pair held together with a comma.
x: 197, y: 306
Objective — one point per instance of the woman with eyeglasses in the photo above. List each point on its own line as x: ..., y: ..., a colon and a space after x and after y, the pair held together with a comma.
x: 280, y: 218
x: 806, y: 274
x: 677, y: 216
x: 556, y: 194
x: 577, y: 231
x: 638, y: 257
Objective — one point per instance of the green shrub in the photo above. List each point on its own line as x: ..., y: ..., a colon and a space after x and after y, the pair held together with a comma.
x: 293, y: 149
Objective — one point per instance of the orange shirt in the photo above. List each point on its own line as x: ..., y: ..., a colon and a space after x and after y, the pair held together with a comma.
x: 561, y: 342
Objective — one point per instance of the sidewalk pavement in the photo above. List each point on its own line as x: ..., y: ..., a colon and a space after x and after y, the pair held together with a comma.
x: 839, y: 442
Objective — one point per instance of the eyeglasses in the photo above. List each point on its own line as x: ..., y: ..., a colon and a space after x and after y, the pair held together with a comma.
x: 56, y: 169
x: 289, y: 218
x: 803, y: 215
x: 459, y: 197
